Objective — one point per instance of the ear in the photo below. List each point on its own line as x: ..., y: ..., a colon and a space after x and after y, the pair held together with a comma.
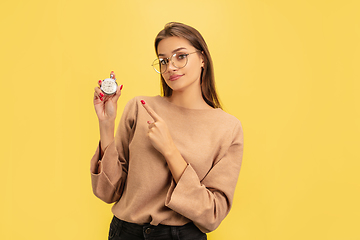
x: 202, y: 59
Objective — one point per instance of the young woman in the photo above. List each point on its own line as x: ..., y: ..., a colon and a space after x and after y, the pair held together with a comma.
x: 172, y: 167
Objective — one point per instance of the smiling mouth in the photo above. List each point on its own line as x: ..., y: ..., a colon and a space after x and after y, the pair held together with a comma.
x: 175, y: 77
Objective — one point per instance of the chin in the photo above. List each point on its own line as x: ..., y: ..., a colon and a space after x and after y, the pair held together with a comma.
x: 174, y: 86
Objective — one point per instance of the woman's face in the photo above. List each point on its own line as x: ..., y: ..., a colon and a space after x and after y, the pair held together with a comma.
x: 181, y: 79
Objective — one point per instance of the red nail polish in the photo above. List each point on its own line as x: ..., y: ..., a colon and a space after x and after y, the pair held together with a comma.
x: 101, y: 99
x: 142, y: 101
x: 101, y: 94
x: 121, y: 87
x: 99, y: 81
x: 148, y: 122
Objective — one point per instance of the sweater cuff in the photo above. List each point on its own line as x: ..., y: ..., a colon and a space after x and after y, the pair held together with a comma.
x: 105, y: 182
x: 176, y: 198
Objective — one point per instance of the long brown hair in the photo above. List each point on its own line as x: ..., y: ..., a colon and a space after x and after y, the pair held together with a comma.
x: 207, y: 80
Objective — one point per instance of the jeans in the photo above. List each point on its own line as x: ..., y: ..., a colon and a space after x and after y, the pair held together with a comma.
x: 121, y: 230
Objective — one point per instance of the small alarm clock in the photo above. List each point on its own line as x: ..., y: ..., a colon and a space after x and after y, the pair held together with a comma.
x: 109, y: 85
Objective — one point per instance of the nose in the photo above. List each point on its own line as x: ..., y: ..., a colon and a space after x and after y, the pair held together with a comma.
x: 171, y: 66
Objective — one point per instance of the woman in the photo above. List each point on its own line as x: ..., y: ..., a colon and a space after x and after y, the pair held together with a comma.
x: 173, y: 165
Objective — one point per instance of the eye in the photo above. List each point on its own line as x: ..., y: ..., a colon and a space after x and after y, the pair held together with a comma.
x: 163, y: 61
x: 181, y: 56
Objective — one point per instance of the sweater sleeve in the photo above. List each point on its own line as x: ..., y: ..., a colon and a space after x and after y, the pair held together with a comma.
x: 207, y: 202
x: 108, y: 184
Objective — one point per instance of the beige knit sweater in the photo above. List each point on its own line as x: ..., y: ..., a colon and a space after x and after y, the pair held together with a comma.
x: 136, y: 177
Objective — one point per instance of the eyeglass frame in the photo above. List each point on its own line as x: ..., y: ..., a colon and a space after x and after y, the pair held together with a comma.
x: 169, y: 59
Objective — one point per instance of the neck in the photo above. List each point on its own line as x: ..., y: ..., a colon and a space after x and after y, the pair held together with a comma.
x: 192, y: 98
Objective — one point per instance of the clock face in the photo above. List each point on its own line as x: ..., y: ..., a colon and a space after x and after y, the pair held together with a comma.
x: 108, y: 86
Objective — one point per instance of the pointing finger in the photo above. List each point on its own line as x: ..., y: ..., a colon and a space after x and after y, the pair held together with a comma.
x: 151, y: 111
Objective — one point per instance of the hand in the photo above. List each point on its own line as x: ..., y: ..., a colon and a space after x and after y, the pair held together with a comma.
x: 160, y: 138
x: 158, y: 133
x: 106, y: 105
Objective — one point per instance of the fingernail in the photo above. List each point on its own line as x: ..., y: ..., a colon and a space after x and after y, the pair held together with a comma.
x: 142, y: 101
x: 148, y: 122
x: 99, y: 81
x: 121, y: 87
x: 112, y: 72
x: 101, y: 99
x: 101, y: 94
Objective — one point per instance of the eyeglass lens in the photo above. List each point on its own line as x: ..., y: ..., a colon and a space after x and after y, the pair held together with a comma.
x: 178, y: 60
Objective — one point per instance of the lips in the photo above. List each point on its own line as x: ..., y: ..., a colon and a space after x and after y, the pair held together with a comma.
x: 175, y: 77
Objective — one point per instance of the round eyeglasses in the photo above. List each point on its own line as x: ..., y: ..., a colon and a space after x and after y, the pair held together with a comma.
x: 178, y: 60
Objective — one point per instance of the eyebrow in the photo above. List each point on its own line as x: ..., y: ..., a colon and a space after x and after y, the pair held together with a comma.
x: 178, y: 49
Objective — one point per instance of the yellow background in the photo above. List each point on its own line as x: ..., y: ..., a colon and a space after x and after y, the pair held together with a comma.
x: 289, y: 70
